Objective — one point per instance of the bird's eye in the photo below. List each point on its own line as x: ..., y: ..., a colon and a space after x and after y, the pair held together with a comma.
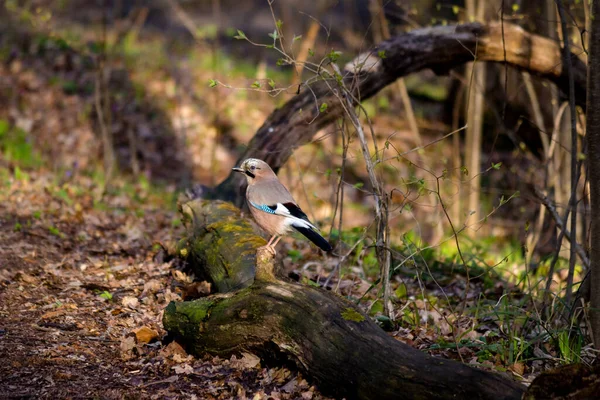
x: 253, y: 167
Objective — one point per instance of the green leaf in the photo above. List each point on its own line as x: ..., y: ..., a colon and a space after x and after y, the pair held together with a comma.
x: 256, y: 85
x: 496, y: 166
x: 401, y: 291
x: 455, y: 9
x: 323, y: 107
x: 334, y: 55
x: 338, y: 78
x: 279, y: 24
x: 106, y: 295
x: 464, y: 170
x: 311, y: 52
x: 274, y: 35
x: 212, y: 83
x: 515, y: 7
x: 54, y: 231
x: 296, y: 38
x: 358, y: 185
x: 385, y: 322
x: 381, y: 54
x: 272, y: 83
x: 240, y: 35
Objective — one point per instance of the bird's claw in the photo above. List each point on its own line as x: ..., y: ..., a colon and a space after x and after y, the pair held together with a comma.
x: 270, y: 249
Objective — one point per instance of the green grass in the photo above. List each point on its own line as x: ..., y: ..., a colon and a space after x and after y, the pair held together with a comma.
x: 16, y: 147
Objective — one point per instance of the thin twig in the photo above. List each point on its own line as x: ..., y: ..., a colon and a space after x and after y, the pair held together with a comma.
x: 574, y: 164
x: 381, y: 203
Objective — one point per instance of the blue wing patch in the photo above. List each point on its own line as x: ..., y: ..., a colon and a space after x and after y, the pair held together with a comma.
x: 265, y: 208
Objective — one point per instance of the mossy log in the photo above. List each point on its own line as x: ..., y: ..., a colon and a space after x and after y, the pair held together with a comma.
x: 221, y: 245
x: 329, y: 338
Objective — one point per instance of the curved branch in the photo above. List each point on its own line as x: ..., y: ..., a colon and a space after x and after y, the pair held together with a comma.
x: 439, y: 48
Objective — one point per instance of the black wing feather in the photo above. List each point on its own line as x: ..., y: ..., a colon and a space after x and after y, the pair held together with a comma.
x: 295, y: 211
x: 314, y: 237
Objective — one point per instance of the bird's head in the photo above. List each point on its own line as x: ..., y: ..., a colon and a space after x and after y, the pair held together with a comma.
x: 254, y: 169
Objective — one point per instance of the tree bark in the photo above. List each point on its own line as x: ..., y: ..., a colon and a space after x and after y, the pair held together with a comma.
x: 593, y: 138
x: 439, y: 48
x: 330, y: 339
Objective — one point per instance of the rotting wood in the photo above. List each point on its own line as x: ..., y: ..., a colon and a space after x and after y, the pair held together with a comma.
x: 221, y: 247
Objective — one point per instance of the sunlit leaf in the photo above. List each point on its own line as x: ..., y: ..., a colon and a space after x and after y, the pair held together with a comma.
x: 240, y: 35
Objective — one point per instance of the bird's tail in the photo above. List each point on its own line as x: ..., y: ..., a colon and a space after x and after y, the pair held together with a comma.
x: 314, y: 237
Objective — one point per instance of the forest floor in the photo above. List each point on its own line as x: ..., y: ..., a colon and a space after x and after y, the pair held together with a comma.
x: 82, y: 290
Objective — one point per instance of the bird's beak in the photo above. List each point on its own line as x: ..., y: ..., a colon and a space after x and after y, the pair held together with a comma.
x: 236, y: 169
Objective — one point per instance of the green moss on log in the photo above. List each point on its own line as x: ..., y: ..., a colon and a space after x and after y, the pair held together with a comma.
x: 350, y: 314
x: 221, y: 246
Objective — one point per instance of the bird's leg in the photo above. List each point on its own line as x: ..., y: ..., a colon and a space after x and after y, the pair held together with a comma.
x: 275, y: 244
x: 271, y: 240
x: 271, y: 247
x: 277, y: 241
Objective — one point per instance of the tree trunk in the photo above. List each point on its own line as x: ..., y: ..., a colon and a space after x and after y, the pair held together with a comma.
x: 330, y: 339
x: 439, y: 48
x: 593, y: 138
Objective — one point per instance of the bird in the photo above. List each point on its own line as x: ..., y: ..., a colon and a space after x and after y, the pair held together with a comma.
x: 273, y: 207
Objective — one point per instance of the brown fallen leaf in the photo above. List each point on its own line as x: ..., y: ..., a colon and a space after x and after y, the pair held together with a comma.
x: 307, y: 395
x: 259, y: 396
x: 517, y: 368
x: 23, y: 277
x: 290, y: 386
x: 181, y: 276
x: 127, y: 345
x: 130, y: 301
x: 145, y: 334
x: 248, y: 361
x: 53, y: 314
x: 181, y: 359
x: 152, y: 286
x: 196, y: 289
x: 183, y: 369
x: 172, y: 349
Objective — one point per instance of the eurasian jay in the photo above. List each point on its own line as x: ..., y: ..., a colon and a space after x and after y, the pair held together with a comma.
x: 273, y: 207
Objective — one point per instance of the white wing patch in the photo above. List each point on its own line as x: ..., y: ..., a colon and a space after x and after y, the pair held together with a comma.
x: 282, y: 210
x: 290, y: 219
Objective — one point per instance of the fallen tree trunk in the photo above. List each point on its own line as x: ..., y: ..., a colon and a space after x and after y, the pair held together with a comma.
x: 221, y: 248
x: 329, y: 338
x: 439, y: 48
